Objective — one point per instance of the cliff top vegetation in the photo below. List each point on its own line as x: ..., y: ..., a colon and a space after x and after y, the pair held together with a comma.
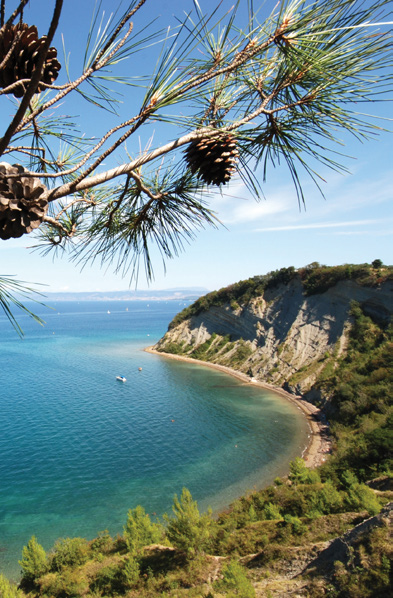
x: 315, y: 278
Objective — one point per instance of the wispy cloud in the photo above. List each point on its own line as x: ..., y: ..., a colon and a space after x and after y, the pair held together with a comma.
x: 345, y: 197
x: 237, y: 206
x: 319, y: 225
x: 251, y: 211
x: 370, y: 233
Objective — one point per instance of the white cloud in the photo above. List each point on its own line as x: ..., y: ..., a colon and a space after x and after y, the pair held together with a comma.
x: 372, y: 233
x: 237, y: 206
x: 319, y: 225
x: 250, y: 211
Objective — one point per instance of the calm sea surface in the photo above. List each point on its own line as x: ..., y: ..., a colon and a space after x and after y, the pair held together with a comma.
x: 78, y: 448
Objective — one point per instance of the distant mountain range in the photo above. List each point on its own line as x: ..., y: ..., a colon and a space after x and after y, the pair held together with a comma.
x: 190, y: 293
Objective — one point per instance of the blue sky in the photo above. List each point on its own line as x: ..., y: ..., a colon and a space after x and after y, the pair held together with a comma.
x: 353, y: 223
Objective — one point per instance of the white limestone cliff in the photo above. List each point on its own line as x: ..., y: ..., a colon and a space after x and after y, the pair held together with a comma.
x: 283, y: 336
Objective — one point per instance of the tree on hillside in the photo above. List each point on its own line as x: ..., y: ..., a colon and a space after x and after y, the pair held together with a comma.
x: 187, y: 528
x: 377, y: 264
x: 140, y: 531
x: 239, y: 95
x: 34, y: 562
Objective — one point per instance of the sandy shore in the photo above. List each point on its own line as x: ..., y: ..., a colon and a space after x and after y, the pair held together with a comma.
x: 319, y: 445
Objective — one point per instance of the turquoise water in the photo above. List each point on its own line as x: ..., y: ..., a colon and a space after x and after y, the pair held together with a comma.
x: 78, y: 448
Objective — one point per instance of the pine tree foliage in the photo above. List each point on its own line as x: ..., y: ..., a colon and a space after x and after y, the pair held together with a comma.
x: 235, y: 97
x: 277, y: 88
x: 8, y: 590
x: 12, y: 294
x: 187, y: 529
x: 34, y: 561
x: 140, y: 531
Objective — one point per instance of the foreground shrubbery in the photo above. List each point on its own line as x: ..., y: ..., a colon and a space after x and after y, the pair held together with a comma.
x: 295, y: 511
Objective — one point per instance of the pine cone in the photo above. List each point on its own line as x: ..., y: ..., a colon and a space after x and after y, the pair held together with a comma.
x: 213, y: 159
x: 22, y: 208
x: 24, y: 57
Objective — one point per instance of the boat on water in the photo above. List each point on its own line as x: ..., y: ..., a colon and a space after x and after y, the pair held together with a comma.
x: 121, y: 378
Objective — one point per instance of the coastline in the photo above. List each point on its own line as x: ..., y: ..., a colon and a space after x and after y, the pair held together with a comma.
x: 319, y: 446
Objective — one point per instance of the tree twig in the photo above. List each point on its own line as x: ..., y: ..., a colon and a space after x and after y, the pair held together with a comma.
x: 35, y: 79
x: 71, y: 86
x: 17, y: 11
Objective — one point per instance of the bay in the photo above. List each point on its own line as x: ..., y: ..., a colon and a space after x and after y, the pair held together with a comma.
x: 78, y: 448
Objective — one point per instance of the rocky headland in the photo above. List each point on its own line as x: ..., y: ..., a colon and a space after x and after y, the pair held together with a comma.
x: 282, y: 337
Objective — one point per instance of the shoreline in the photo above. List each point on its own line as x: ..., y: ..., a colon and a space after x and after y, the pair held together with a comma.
x: 319, y: 446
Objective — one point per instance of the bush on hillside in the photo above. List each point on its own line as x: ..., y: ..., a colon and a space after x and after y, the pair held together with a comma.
x: 69, y: 553
x: 34, y: 562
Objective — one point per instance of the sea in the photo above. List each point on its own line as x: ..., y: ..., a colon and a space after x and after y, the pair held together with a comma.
x: 78, y: 448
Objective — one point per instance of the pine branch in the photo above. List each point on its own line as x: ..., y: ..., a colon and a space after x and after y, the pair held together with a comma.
x: 10, y: 292
x: 279, y: 91
x: 35, y: 79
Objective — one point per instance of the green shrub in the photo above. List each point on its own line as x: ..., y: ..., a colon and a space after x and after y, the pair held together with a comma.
x: 235, y: 582
x: 130, y: 572
x: 187, y: 529
x: 271, y: 511
x: 360, y: 496
x: 102, y: 544
x: 300, y: 474
x: 140, y: 531
x: 116, y: 578
x: 243, y: 352
x: 377, y: 264
x: 7, y: 590
x: 296, y: 525
x: 108, y: 581
x: 329, y: 499
x: 67, y: 584
x: 174, y: 348
x: 348, y: 479
x: 34, y: 561
x: 252, y: 515
x: 69, y: 552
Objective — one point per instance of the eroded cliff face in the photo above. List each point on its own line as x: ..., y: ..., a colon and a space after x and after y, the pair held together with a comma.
x: 282, y: 337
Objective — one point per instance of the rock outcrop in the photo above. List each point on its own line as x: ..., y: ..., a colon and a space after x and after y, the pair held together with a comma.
x: 283, y: 336
x: 340, y: 548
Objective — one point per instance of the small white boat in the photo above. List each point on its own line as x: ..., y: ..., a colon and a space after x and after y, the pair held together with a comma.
x: 121, y: 378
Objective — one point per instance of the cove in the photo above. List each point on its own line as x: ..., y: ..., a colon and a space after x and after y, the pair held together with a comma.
x: 78, y: 449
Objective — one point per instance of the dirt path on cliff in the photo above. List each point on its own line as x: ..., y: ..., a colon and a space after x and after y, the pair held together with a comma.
x: 319, y: 446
